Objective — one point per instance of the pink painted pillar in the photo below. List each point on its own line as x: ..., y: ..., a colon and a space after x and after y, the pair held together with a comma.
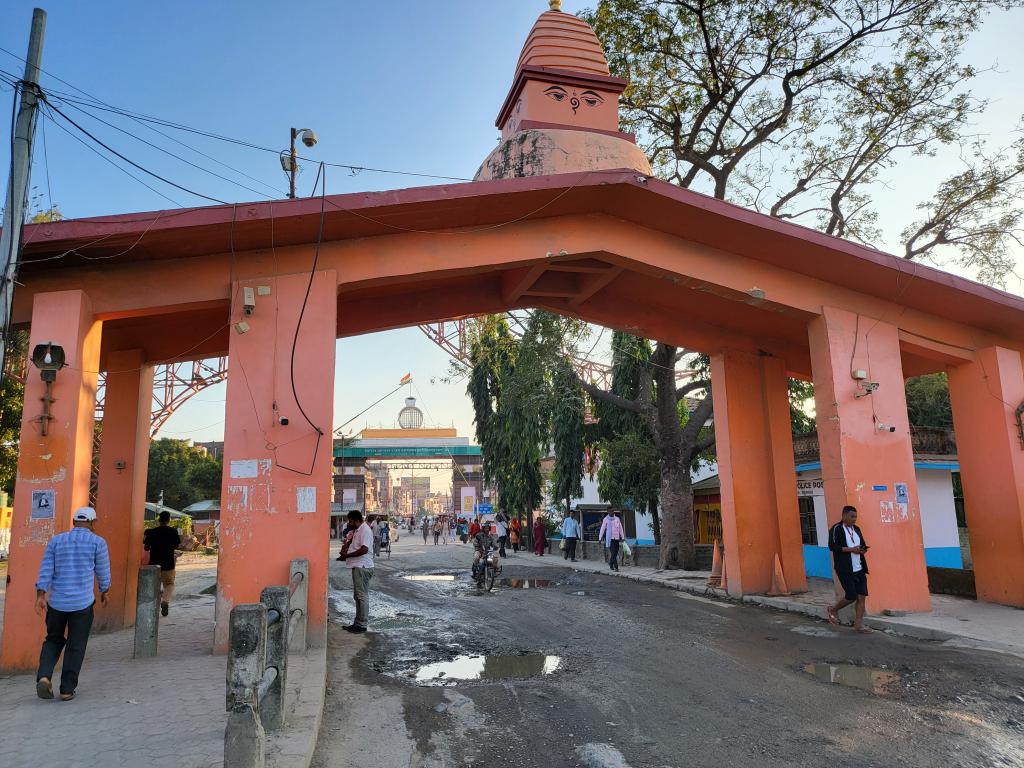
x: 60, y: 462
x: 985, y: 394
x: 123, y: 467
x: 276, y: 494
x: 863, y: 465
x: 754, y: 444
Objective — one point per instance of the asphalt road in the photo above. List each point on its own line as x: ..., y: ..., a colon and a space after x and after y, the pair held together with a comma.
x: 645, y: 677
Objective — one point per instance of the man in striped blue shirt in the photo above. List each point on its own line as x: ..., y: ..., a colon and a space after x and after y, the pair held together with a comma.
x: 64, y: 593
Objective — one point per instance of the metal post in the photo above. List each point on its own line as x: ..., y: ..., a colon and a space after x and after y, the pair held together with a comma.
x: 17, y: 185
x: 299, y: 581
x: 272, y: 703
x: 247, y: 655
x: 147, y: 612
x: 294, y: 167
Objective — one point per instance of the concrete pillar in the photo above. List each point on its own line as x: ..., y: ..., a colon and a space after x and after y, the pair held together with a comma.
x: 754, y: 441
x: 984, y: 394
x: 871, y: 468
x: 245, y: 741
x: 272, y: 704
x: 247, y: 654
x: 276, y: 493
x: 147, y: 612
x: 59, y: 463
x: 124, y: 461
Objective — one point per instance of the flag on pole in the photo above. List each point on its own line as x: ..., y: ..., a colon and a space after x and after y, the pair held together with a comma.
x: 407, y: 379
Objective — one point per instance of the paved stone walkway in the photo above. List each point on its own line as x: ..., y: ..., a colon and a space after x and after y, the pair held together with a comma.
x: 954, y: 621
x: 166, y: 712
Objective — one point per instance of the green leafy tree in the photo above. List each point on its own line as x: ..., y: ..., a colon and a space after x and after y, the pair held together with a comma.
x: 797, y: 107
x: 184, y: 473
x: 928, y: 401
x: 567, y: 433
x: 12, y: 399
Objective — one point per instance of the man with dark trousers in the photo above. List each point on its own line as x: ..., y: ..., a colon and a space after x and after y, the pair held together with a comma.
x: 849, y: 558
x: 72, y: 563
x: 161, y: 542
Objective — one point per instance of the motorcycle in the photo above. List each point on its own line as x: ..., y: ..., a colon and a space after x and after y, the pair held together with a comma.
x: 486, y: 569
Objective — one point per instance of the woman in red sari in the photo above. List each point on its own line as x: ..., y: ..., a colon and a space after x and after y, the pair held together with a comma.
x: 515, y: 531
x: 539, y: 540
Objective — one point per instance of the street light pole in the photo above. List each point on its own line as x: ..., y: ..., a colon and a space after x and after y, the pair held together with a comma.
x: 17, y: 184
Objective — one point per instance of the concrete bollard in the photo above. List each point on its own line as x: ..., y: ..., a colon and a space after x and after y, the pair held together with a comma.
x: 245, y: 741
x: 247, y: 654
x: 147, y: 612
x: 299, y: 600
x: 272, y: 704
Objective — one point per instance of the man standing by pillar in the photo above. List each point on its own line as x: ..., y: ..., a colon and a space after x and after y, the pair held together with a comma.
x: 359, y: 557
x: 161, y: 542
x: 64, y: 594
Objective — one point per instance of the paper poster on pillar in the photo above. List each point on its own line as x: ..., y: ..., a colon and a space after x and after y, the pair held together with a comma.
x: 305, y: 499
x: 468, y: 500
x: 43, y: 504
x: 888, y: 511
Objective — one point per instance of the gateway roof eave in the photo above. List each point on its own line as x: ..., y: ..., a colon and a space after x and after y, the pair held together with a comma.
x: 485, y: 205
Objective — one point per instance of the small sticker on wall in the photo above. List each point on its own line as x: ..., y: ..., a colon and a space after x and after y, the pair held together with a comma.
x: 879, y: 487
x: 305, y: 499
x: 42, y: 504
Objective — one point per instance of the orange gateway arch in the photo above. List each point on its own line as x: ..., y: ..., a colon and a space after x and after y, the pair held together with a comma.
x: 566, y: 216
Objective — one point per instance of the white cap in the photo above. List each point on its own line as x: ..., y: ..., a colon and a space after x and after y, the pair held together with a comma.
x: 84, y: 515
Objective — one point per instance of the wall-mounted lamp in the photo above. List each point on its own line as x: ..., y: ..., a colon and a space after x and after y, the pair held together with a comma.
x: 48, y: 358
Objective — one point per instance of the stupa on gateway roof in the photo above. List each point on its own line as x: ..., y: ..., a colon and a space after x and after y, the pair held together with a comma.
x: 561, y: 114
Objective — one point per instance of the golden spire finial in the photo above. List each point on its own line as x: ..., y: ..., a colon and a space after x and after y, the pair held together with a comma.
x: 555, y: 5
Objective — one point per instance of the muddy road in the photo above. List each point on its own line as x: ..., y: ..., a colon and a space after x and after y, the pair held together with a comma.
x: 587, y: 670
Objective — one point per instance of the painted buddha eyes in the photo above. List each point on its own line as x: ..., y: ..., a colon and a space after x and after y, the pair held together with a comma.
x: 560, y: 94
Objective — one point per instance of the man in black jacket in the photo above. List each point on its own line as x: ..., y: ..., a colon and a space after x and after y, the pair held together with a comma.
x: 849, y: 557
x: 161, y: 542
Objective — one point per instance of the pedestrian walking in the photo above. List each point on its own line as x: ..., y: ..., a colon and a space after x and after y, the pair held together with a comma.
x: 501, y: 533
x: 849, y: 552
x: 612, y: 535
x: 161, y: 542
x: 375, y: 524
x: 358, y: 555
x: 463, y: 530
x: 515, y: 533
x: 571, y: 536
x: 539, y: 538
x: 426, y: 528
x: 437, y: 530
x: 72, y: 562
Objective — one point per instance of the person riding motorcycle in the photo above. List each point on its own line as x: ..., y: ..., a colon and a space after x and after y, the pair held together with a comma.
x: 482, y: 541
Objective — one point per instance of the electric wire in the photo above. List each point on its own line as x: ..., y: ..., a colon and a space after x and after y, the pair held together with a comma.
x: 174, y: 155
x: 125, y: 171
x: 132, y: 162
x: 97, y: 103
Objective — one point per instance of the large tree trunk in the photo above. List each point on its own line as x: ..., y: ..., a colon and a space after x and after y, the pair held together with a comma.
x: 676, y: 498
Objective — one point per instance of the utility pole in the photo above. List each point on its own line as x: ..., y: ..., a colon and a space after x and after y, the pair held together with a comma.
x: 17, y: 185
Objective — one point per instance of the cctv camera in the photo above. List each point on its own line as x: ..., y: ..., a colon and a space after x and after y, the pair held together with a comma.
x: 284, y: 421
x: 308, y: 137
x: 886, y: 428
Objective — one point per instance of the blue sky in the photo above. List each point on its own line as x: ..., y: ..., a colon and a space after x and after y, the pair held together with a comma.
x: 405, y: 85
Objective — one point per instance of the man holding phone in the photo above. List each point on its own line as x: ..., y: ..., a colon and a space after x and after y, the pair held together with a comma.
x: 849, y: 558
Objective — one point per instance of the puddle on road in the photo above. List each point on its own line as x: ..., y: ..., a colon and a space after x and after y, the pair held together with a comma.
x: 866, y: 678
x: 430, y: 577
x: 487, y: 668
x: 526, y: 583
